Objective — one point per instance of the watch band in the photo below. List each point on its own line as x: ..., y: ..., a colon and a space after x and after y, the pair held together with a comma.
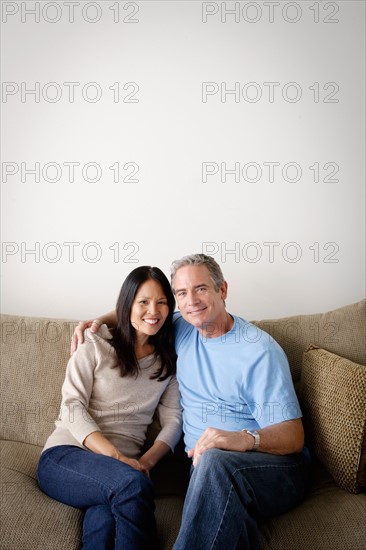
x: 256, y: 436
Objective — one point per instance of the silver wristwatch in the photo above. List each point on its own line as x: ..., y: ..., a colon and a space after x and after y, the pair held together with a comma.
x: 256, y: 436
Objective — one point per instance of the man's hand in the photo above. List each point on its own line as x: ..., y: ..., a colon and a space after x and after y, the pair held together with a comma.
x: 280, y: 439
x: 78, y: 334
x: 109, y: 319
x: 212, y: 438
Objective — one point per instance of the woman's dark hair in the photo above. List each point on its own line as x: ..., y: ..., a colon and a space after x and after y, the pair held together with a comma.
x: 124, y: 334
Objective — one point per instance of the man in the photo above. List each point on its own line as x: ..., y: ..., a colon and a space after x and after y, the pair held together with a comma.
x: 241, y: 417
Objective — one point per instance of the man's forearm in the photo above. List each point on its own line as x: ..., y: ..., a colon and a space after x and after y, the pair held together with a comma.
x: 283, y: 438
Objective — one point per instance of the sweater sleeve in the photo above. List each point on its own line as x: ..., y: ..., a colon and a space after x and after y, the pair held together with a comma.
x: 170, y: 414
x: 76, y: 391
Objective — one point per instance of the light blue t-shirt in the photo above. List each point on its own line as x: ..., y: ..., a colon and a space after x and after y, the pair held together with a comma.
x: 239, y: 380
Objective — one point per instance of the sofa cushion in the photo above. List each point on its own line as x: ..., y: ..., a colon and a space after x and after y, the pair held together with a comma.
x: 333, y: 398
x: 341, y: 331
x: 34, y: 355
x: 30, y: 520
x: 328, y: 519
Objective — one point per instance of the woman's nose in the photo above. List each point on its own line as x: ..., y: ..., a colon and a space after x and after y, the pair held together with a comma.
x: 152, y: 308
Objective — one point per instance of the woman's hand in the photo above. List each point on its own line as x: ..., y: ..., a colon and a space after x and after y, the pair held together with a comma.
x: 99, y: 444
x: 149, y: 459
x: 78, y: 335
x: 134, y: 463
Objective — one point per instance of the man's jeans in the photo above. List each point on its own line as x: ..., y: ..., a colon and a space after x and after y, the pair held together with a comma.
x: 118, y: 500
x: 229, y: 491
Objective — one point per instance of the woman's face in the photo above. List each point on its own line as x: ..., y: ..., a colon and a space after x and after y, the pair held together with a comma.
x: 149, y: 309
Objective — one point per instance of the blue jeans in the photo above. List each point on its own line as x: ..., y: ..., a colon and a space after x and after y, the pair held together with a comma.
x: 229, y: 491
x: 117, y: 499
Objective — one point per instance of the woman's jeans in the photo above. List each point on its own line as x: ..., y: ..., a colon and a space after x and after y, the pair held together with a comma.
x: 117, y: 499
x: 229, y: 491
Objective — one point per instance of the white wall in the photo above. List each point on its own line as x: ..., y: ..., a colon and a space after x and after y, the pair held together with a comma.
x: 296, y: 235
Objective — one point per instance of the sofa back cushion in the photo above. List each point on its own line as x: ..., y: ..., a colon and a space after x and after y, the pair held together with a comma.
x: 35, y: 352
x: 341, y: 331
x: 34, y: 355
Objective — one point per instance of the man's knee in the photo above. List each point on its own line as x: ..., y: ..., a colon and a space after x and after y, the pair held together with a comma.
x: 212, y: 460
x: 218, y: 462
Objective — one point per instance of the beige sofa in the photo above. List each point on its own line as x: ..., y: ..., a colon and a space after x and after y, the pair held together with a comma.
x: 332, y: 391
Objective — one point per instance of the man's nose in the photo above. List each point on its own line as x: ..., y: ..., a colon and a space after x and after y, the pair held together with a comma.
x: 192, y: 297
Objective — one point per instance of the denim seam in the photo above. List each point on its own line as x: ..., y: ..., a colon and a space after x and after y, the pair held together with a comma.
x: 268, y: 467
x: 222, y: 518
x: 247, y: 468
x: 90, y: 478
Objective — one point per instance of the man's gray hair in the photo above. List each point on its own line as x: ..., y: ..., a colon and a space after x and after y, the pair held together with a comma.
x: 200, y: 259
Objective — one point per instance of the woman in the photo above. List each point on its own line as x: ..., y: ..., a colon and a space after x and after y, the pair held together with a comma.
x: 113, y: 385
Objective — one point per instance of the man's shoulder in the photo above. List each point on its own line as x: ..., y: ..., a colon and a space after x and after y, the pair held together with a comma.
x: 249, y: 332
x: 182, y: 329
x: 179, y: 323
x: 177, y: 318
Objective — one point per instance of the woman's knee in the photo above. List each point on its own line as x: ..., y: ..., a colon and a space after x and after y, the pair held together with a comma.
x: 135, y: 483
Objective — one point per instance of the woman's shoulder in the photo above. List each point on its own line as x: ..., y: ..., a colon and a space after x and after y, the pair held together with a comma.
x: 103, y: 334
x: 100, y: 340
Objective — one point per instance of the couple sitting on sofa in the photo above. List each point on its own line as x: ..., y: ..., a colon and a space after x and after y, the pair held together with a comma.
x: 237, y: 396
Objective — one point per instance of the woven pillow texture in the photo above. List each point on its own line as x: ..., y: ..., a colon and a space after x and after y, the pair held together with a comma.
x: 333, y: 398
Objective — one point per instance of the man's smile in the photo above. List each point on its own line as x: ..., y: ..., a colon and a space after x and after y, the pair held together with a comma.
x: 196, y: 311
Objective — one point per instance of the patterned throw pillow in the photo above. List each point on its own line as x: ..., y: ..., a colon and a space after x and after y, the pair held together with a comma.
x: 333, y: 399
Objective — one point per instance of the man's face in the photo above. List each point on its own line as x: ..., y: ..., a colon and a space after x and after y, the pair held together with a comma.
x: 198, y: 301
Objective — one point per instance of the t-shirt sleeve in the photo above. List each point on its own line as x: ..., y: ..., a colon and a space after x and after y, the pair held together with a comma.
x: 170, y: 414
x: 269, y: 390
x: 181, y: 329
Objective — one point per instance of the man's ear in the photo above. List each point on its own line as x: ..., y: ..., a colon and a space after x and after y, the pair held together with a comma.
x: 223, y: 290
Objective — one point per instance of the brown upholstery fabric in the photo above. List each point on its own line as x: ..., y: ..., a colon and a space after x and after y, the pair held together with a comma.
x: 30, y: 520
x: 167, y: 510
x: 333, y: 398
x: 328, y: 519
x: 341, y: 331
x: 34, y: 355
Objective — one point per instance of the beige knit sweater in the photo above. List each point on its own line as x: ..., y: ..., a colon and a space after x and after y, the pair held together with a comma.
x: 95, y: 397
